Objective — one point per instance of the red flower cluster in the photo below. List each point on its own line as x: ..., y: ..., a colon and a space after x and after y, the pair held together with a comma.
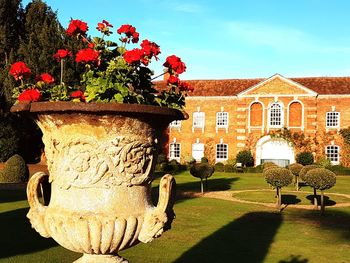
x: 174, y: 63
x: 61, y: 54
x: 30, y: 95
x: 46, y: 77
x: 76, y: 27
x: 104, y: 27
x: 173, y: 80
x: 144, y: 55
x: 78, y: 94
x: 19, y: 70
x: 130, y: 33
x: 87, y: 55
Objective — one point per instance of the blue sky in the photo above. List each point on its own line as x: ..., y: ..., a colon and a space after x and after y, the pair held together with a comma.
x: 232, y: 39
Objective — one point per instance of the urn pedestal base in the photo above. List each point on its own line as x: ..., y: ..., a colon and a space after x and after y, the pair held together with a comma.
x: 88, y: 258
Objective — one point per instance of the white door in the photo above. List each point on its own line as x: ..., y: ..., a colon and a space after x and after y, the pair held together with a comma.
x: 274, y: 150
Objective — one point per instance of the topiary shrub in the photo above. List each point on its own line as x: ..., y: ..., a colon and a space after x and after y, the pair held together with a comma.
x: 305, y: 158
x: 268, y: 165
x: 202, y: 171
x: 245, y: 157
x: 295, y: 168
x: 278, y: 177
x: 305, y: 169
x: 15, y: 170
x: 204, y: 160
x: 9, y: 139
x: 219, y: 167
x: 324, y: 162
x: 320, y: 179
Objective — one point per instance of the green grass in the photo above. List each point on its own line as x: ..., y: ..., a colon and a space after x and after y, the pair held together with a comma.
x: 206, y: 230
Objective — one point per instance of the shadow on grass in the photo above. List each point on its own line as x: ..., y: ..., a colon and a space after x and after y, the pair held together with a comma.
x: 214, y: 184
x: 327, y: 201
x: 335, y: 220
x: 294, y: 259
x: 290, y: 199
x: 17, y: 236
x: 12, y: 195
x: 246, y: 239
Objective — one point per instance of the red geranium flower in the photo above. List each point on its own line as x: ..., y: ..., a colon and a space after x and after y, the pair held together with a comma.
x: 78, y: 94
x: 173, y: 80
x: 77, y: 27
x: 130, y: 33
x: 174, y: 63
x: 184, y: 86
x: 150, y: 49
x: 46, y: 77
x: 104, y: 27
x: 19, y: 70
x: 87, y: 55
x: 61, y: 54
x: 30, y: 95
x: 133, y: 56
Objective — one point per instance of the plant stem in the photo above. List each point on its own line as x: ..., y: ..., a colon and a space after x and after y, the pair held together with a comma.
x: 62, y: 62
x: 159, y: 75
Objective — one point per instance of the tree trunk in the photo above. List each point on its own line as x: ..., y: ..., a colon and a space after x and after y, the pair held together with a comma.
x: 322, y: 203
x: 297, y: 182
x: 315, y: 199
x: 278, y: 204
x: 206, y: 183
x: 202, y: 191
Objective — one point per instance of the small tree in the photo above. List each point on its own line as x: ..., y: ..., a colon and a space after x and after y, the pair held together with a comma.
x: 302, y: 175
x: 320, y: 179
x: 295, y: 168
x: 245, y: 157
x: 278, y: 177
x: 305, y: 158
x: 202, y: 171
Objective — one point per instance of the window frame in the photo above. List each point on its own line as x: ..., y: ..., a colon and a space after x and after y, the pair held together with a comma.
x: 218, y: 117
x: 281, y: 117
x: 335, y: 159
x: 221, y: 159
x: 197, y: 116
x: 173, y: 150
x: 329, y: 119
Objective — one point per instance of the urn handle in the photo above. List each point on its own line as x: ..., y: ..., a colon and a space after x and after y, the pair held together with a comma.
x: 37, y: 211
x: 159, y: 219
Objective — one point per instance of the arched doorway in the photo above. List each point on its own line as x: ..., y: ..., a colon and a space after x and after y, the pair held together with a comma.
x: 275, y: 150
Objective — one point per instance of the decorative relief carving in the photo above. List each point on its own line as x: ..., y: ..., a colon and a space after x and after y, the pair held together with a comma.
x: 83, y: 162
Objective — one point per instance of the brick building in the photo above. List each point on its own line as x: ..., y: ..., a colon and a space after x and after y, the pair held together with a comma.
x: 275, y: 118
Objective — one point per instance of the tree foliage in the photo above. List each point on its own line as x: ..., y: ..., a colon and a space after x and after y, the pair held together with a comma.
x: 245, y: 157
x: 305, y: 158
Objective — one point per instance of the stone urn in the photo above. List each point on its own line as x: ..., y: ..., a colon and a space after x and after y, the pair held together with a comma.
x: 100, y: 158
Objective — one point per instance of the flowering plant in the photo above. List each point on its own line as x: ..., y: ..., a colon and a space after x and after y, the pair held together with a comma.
x: 112, y: 72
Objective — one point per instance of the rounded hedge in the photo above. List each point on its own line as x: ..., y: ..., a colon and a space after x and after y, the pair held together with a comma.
x: 219, y: 167
x: 320, y: 178
x: 268, y: 165
x: 305, y: 158
x: 295, y: 168
x: 15, y: 170
x: 305, y: 169
x: 278, y: 176
x: 202, y: 170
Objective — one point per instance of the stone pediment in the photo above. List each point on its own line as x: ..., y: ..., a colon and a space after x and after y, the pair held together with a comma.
x: 277, y: 85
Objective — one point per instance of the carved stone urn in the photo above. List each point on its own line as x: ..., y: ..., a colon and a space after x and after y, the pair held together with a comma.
x: 100, y: 158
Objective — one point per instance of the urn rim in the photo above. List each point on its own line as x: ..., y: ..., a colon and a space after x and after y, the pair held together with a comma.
x: 98, y: 108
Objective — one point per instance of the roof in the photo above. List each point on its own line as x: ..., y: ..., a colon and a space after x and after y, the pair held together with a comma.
x: 231, y: 87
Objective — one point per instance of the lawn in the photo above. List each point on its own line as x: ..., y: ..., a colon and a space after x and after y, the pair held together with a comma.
x: 207, y: 230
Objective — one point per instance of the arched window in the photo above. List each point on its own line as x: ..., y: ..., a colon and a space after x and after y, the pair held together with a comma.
x: 256, y: 114
x: 295, y: 114
x: 276, y: 115
x: 332, y: 153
